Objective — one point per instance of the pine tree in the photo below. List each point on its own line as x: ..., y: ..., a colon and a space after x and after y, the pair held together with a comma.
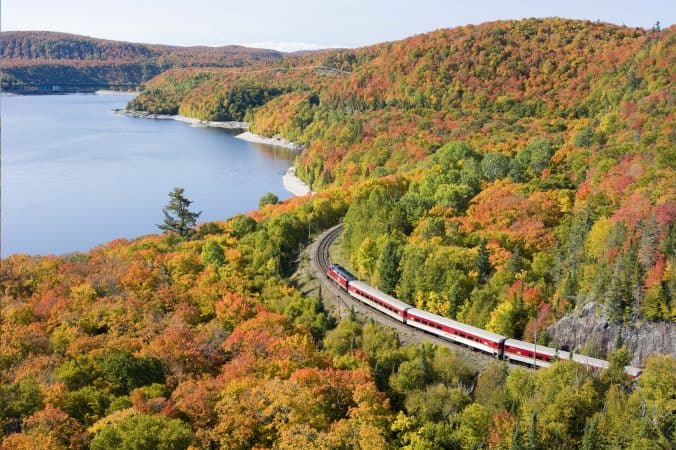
x: 387, y: 267
x: 515, y: 262
x: 483, y: 263
x: 533, y: 436
x: 615, y: 294
x: 591, y: 439
x: 177, y: 217
x: 516, y: 437
x: 649, y: 241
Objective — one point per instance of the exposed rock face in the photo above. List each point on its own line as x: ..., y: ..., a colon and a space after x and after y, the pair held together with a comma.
x: 592, y: 324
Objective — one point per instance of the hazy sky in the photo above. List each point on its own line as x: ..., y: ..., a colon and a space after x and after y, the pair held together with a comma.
x: 293, y: 24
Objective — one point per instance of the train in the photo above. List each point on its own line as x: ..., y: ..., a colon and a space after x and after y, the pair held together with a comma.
x: 501, y: 347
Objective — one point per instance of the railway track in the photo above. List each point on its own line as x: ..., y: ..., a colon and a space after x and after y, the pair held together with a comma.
x: 319, y: 253
x: 324, y: 243
x: 474, y: 341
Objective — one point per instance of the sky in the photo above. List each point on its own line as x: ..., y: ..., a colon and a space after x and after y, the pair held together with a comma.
x: 289, y: 25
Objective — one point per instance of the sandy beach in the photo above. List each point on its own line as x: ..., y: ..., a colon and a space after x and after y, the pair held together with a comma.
x: 189, y: 120
x: 112, y: 92
x: 294, y: 184
x: 278, y: 141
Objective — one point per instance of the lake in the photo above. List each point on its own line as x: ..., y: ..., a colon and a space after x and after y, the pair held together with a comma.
x: 75, y: 175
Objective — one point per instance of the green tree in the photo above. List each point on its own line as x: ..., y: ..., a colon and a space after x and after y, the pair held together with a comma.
x: 591, y: 439
x: 483, y: 263
x: 473, y: 423
x: 268, y: 199
x: 495, y: 166
x: 124, y: 372
x: 212, y: 253
x: 17, y: 401
x: 515, y: 263
x: 242, y: 225
x: 344, y: 338
x: 516, y: 438
x: 144, y: 432
x: 177, y: 217
x: 76, y: 373
x: 533, y: 435
x: 387, y: 266
x: 87, y: 405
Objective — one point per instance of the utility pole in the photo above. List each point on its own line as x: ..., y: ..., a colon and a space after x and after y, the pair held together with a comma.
x: 535, y: 352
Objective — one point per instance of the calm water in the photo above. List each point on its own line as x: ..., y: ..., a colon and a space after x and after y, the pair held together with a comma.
x: 75, y: 175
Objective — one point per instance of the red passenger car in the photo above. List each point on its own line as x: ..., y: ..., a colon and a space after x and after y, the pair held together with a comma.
x: 340, y: 275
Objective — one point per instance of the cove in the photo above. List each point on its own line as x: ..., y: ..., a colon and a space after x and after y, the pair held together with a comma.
x: 75, y: 175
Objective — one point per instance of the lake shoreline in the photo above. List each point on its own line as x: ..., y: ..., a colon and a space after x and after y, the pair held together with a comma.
x: 228, y: 125
x: 277, y: 141
x: 291, y: 182
x: 114, y: 92
x: 294, y: 184
x: 82, y: 153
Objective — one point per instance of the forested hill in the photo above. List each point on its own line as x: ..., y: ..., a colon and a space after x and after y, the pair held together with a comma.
x: 42, y: 57
x: 522, y: 170
x: 506, y: 175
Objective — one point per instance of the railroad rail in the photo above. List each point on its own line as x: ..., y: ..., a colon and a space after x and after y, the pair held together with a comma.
x: 461, y: 336
x: 320, y: 261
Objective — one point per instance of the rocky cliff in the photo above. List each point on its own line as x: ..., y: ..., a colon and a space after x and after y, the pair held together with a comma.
x: 591, y: 324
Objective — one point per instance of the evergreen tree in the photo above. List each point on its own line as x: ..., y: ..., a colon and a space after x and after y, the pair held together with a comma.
x: 649, y: 241
x: 533, y: 436
x: 591, y: 439
x: 388, y: 267
x: 353, y: 314
x: 516, y: 437
x: 515, y: 262
x: 615, y: 295
x: 177, y: 217
x: 483, y: 263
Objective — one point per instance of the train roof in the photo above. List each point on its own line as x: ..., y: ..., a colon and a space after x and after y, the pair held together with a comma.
x: 381, y: 295
x: 603, y: 364
x: 561, y: 354
x: 588, y: 360
x: 343, y: 272
x: 457, y: 325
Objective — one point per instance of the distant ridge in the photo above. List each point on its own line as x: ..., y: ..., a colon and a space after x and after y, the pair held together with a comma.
x: 43, y: 58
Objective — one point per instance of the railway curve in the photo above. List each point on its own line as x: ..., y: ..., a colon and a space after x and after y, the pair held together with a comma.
x: 319, y: 257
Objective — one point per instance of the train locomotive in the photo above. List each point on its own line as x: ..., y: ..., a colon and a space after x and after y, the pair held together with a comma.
x: 501, y: 347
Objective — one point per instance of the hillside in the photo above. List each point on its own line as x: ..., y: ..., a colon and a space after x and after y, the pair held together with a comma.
x: 36, y: 57
x: 544, y: 147
x: 160, y: 342
x: 516, y: 175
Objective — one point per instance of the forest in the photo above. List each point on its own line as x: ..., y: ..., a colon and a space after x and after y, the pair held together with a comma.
x: 526, y: 165
x: 50, y: 58
x: 166, y: 342
x: 505, y: 175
